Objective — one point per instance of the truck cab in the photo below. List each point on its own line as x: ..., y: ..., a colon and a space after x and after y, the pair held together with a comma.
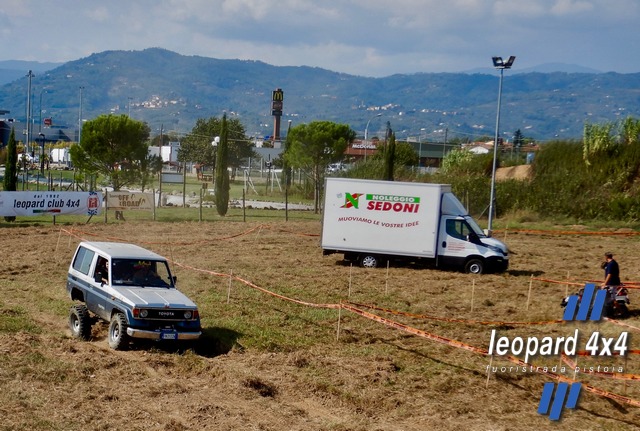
x: 463, y: 244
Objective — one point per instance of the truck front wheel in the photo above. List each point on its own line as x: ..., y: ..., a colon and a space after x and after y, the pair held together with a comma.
x: 118, y: 337
x: 474, y: 266
x: 369, y: 261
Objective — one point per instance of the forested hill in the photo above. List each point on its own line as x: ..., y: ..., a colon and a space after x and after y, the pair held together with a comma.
x: 172, y: 91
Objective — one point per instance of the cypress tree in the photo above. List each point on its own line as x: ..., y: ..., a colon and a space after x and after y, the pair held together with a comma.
x: 222, y: 174
x: 11, y: 168
x: 389, y: 154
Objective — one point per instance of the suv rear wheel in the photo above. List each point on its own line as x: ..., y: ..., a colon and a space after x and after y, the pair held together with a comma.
x: 80, y: 322
x: 118, y: 338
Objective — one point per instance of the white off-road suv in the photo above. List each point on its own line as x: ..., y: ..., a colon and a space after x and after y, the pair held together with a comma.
x: 133, y: 289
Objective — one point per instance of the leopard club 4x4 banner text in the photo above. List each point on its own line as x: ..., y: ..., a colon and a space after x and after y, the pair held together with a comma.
x: 50, y: 203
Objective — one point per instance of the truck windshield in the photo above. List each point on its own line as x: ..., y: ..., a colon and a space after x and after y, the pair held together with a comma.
x: 136, y: 272
x: 474, y: 227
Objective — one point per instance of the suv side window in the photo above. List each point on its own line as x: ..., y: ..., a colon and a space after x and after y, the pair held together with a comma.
x: 102, y: 269
x: 83, y: 259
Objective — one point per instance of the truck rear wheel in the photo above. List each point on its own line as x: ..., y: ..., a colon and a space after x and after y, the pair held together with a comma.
x: 369, y: 261
x: 474, y: 266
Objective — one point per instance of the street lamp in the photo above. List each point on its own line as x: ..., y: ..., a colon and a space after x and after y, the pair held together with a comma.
x: 501, y: 65
x: 214, y: 144
x: 366, y: 130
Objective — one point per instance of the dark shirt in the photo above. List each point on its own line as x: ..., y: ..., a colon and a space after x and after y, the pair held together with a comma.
x: 613, y: 269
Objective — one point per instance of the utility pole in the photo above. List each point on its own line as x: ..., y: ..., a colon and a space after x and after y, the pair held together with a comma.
x: 30, y: 75
x: 80, y: 116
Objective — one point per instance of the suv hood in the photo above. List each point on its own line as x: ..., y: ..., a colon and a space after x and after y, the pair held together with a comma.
x: 156, y: 297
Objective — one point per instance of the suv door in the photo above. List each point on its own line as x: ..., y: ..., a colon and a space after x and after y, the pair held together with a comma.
x: 99, y: 282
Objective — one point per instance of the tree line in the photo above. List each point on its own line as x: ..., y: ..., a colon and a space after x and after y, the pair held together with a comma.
x: 597, y: 177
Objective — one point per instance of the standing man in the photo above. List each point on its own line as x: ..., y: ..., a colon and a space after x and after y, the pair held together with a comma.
x: 611, y: 271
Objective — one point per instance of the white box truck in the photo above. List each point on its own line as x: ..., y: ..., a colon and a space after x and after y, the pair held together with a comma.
x: 371, y: 222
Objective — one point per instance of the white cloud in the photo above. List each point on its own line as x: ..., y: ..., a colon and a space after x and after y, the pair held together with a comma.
x: 570, y: 7
x: 100, y: 14
x: 366, y: 37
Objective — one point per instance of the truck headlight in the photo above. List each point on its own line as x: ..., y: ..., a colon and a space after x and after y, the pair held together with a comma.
x: 188, y: 314
x: 144, y: 313
x: 496, y: 249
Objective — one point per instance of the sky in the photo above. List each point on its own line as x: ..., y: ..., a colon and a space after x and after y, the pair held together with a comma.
x: 360, y: 37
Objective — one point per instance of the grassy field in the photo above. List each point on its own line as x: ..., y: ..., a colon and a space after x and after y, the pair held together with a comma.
x: 269, y: 363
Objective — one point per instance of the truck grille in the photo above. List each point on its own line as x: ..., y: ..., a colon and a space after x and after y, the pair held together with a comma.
x: 167, y: 314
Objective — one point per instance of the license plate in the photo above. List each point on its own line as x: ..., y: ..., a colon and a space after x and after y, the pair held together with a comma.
x: 168, y: 335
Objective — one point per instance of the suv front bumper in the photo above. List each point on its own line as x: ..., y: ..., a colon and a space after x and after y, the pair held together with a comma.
x: 162, y: 335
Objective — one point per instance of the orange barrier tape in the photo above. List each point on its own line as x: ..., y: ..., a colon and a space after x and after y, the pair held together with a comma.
x: 292, y: 232
x: 548, y: 280
x: 519, y: 362
x: 587, y: 353
x: 628, y: 285
x: 448, y: 319
x: 206, y: 241
x: 626, y: 325
x: 567, y: 232
x: 256, y: 287
x: 414, y: 331
x: 615, y: 376
x: 423, y: 334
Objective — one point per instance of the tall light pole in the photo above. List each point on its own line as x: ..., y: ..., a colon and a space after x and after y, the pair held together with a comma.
x: 40, y: 119
x: 501, y: 65
x: 366, y: 130
x: 424, y: 129
x: 80, y: 116
x: 30, y: 75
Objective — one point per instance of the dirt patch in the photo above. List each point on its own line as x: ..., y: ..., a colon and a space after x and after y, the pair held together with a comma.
x: 520, y: 172
x: 269, y: 364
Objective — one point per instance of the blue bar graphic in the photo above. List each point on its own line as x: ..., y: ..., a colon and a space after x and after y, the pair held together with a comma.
x: 545, y: 400
x: 574, y: 393
x: 570, y: 310
x: 598, y: 304
x: 558, y: 401
x: 585, y: 303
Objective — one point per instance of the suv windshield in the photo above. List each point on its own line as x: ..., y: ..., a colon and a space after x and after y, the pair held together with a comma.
x: 135, y: 272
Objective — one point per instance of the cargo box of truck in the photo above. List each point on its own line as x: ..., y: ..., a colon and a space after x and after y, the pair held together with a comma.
x: 371, y: 222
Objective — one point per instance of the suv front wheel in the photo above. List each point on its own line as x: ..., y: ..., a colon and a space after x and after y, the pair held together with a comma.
x: 118, y: 338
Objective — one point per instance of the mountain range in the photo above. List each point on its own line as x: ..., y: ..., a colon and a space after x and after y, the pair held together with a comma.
x: 170, y: 92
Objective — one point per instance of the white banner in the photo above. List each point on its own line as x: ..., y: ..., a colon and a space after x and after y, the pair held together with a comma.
x: 50, y: 203
x: 172, y: 177
x: 129, y: 201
